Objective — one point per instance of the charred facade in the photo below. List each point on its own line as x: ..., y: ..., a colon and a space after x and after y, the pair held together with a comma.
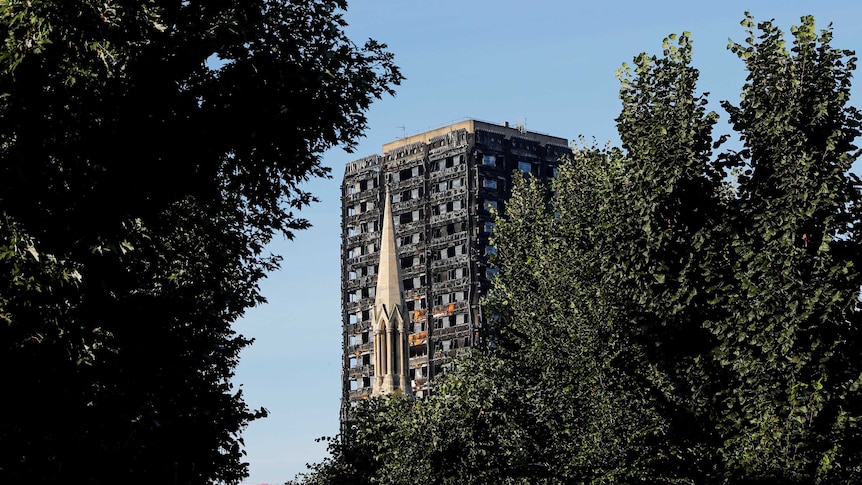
x: 443, y: 184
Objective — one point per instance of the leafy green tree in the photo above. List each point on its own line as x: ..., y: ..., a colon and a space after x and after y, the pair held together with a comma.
x: 667, y: 313
x: 733, y: 305
x: 148, y: 153
x: 593, y: 402
x: 472, y: 430
x: 791, y: 337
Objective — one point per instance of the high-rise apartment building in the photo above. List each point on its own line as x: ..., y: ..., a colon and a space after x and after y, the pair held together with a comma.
x: 443, y: 184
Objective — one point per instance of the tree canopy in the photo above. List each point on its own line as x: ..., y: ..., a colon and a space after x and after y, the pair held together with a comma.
x: 148, y: 153
x: 670, y: 310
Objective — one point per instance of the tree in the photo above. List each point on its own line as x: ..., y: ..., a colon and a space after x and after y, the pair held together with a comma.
x: 148, y: 152
x: 667, y: 313
x: 472, y: 430
x: 733, y: 305
x: 794, y: 258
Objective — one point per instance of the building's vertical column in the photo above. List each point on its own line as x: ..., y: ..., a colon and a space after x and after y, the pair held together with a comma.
x: 390, y: 356
x: 403, y: 372
x: 379, y: 348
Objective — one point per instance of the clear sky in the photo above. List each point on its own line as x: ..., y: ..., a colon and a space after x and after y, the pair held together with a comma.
x: 548, y: 63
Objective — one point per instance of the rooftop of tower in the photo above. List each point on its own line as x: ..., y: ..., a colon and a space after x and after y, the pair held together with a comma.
x: 471, y: 125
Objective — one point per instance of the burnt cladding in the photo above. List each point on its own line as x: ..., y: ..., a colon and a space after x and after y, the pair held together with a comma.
x: 444, y: 184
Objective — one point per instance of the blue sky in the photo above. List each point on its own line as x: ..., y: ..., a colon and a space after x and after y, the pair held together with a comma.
x: 548, y: 63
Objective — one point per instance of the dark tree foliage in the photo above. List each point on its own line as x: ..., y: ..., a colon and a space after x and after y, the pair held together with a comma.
x: 667, y: 312
x: 148, y: 152
x: 730, y: 303
x: 473, y: 430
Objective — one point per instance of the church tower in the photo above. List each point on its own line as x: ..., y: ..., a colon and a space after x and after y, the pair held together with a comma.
x: 388, y: 316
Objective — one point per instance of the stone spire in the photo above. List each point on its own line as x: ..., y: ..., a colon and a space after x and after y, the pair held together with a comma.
x: 388, y: 317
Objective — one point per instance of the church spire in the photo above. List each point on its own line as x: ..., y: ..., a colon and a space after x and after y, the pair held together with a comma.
x: 388, y: 316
